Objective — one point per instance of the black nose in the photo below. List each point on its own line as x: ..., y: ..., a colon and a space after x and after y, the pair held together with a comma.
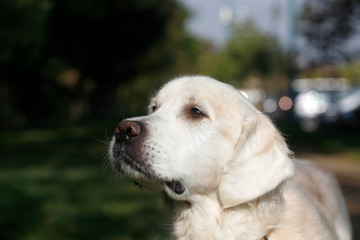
x: 127, y: 130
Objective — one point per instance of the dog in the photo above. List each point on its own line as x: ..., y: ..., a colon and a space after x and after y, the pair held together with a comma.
x: 226, y: 168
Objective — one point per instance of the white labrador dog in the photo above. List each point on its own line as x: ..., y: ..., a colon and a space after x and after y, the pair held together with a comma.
x: 227, y: 168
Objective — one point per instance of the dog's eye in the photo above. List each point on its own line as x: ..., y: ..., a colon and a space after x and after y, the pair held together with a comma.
x: 195, y: 113
x: 153, y: 108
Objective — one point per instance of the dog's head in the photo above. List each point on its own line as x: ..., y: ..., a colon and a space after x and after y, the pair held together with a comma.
x: 202, y: 136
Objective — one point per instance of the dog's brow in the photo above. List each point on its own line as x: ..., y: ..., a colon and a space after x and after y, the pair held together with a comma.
x: 192, y: 98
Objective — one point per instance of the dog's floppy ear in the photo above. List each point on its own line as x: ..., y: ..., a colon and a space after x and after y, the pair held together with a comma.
x: 261, y: 162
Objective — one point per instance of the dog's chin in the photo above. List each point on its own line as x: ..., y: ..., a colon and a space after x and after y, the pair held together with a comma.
x: 145, y: 178
x: 139, y: 174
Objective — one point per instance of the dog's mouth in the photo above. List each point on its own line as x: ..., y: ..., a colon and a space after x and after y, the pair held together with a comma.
x: 126, y: 164
x: 141, y: 173
x: 175, y: 186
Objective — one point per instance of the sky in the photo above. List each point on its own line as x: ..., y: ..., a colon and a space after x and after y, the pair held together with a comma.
x: 271, y: 16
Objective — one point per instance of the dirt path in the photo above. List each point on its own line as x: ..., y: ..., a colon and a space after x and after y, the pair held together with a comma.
x: 347, y: 170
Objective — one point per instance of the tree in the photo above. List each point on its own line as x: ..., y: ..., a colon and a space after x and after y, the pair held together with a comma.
x: 111, y: 41
x: 59, y: 55
x: 327, y: 25
x: 22, y: 43
x: 252, y: 53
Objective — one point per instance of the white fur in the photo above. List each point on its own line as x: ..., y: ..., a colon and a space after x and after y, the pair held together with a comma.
x: 240, y: 182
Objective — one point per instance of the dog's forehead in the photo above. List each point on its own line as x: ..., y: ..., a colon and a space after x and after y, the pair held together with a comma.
x: 193, y: 89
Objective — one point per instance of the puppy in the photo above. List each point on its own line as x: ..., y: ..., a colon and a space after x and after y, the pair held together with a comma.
x: 226, y: 167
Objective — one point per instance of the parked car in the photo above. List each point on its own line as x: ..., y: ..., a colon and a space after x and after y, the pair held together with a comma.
x: 324, y: 101
x: 349, y: 108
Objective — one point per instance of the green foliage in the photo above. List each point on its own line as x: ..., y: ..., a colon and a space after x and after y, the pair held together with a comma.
x: 62, y: 60
x: 22, y: 44
x: 252, y: 53
x: 22, y: 31
x: 351, y: 71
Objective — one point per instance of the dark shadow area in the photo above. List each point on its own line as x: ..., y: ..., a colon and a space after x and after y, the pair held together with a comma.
x: 20, y: 212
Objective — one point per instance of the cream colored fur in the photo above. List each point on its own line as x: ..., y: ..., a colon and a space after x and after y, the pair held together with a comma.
x: 239, y: 177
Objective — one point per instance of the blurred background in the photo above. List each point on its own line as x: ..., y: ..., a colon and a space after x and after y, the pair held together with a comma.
x: 71, y: 70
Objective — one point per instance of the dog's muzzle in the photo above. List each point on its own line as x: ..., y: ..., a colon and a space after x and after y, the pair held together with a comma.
x: 127, y: 147
x: 127, y: 152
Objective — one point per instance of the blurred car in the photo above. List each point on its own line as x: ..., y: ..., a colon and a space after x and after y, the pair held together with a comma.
x: 314, y: 108
x: 349, y: 108
x: 324, y: 101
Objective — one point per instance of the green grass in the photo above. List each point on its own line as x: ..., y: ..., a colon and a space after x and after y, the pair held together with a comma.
x: 53, y: 185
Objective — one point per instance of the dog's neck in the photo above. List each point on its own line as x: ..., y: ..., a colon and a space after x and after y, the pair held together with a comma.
x: 204, y: 218
x: 197, y: 219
